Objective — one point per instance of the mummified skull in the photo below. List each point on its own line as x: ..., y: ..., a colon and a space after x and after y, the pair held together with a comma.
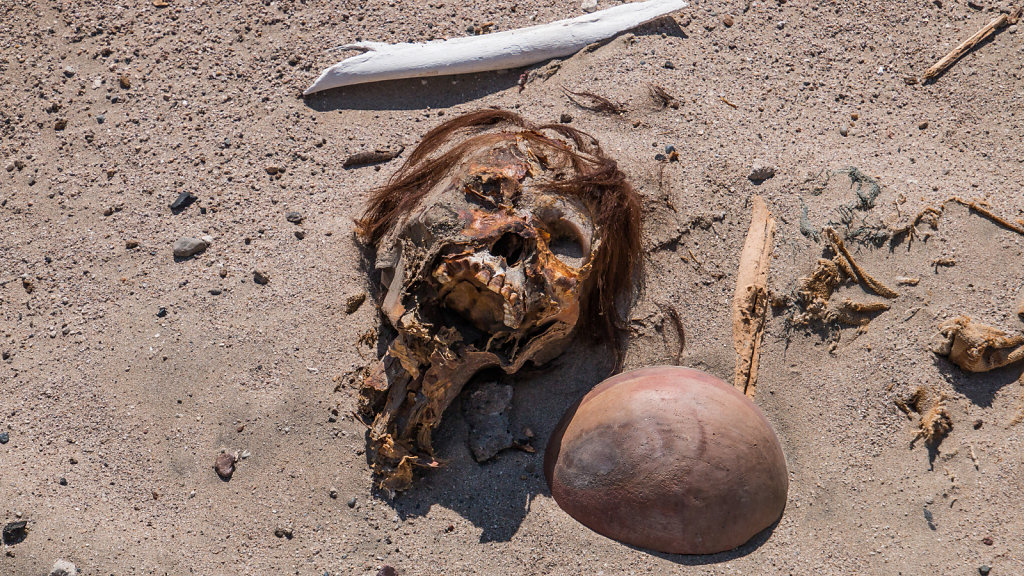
x: 496, y: 241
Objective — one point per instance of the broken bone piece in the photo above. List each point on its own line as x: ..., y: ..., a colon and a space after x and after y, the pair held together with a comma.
x: 976, y: 347
x: 496, y: 242
x: 750, y: 300
x: 498, y: 51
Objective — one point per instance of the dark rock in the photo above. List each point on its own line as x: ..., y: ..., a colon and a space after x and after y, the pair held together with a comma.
x: 189, y: 247
x: 984, y: 569
x: 101, y: 118
x: 284, y: 532
x: 184, y: 200
x: 161, y: 312
x: 669, y: 65
x: 351, y: 502
x: 131, y: 244
x: 294, y: 217
x: 354, y: 302
x: 260, y: 277
x: 216, y: 291
x: 387, y: 571
x: 4, y: 436
x: 224, y: 464
x: 565, y: 118
x: 333, y: 493
x: 63, y: 481
x: 487, y: 413
x: 15, y: 532
x: 300, y: 234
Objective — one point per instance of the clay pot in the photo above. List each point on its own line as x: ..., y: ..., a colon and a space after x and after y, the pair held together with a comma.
x: 668, y: 458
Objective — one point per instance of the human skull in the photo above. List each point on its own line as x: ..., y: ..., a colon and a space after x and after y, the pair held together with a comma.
x: 491, y: 252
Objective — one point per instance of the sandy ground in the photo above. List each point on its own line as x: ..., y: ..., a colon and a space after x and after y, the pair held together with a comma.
x: 115, y: 410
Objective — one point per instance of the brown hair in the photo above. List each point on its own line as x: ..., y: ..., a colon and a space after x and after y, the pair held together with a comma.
x: 597, y: 181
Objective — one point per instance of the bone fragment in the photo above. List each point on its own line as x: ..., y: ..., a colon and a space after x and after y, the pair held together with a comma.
x: 976, y: 347
x: 750, y: 301
x: 949, y: 59
x: 498, y: 51
x: 863, y: 277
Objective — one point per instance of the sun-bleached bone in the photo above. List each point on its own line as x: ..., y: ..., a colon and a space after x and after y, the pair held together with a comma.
x: 502, y: 50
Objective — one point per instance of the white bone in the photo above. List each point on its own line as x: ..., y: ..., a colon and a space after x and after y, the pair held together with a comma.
x: 498, y: 51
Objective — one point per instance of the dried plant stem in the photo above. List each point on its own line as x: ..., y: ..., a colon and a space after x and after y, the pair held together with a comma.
x: 858, y: 272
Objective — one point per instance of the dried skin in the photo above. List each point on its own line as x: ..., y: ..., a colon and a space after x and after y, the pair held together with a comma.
x: 976, y: 347
x: 493, y: 242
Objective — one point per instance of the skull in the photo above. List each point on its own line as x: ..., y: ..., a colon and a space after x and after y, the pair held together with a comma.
x: 491, y: 252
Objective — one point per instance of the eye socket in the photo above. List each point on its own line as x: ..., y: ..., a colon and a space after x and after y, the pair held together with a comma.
x: 566, y: 243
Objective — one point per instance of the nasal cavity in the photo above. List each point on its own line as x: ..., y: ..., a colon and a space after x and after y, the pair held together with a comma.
x: 511, y: 247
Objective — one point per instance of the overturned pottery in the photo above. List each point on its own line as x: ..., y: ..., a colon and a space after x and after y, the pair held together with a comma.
x: 670, y: 459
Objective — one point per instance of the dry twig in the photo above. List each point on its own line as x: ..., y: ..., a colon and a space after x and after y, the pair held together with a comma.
x: 597, y: 103
x: 858, y: 272
x: 949, y: 59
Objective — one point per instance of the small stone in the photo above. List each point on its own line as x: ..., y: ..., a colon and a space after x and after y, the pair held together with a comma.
x: 987, y: 541
x: 844, y: 131
x: 669, y: 65
x: 854, y: 116
x: 101, y: 118
x: 923, y: 125
x: 564, y: 119
x: 260, y: 277
x: 284, y: 532
x: 224, y: 464
x: 293, y: 217
x: 15, y: 532
x: 108, y: 211
x: 184, y: 200
x: 245, y: 454
x: 125, y: 82
x: 4, y: 437
x: 351, y: 502
x: 9, y: 167
x: 354, y: 302
x: 60, y: 124
x: 984, y: 569
x: 761, y: 172
x: 386, y: 570
x: 1012, y: 29
x: 300, y: 234
x: 660, y: 157
x: 131, y: 244
x: 63, y: 481
x: 333, y: 493
x: 63, y: 568
x: 161, y: 312
x: 272, y: 170
x: 70, y: 71
x: 216, y: 291
x: 588, y: 5
x: 189, y: 247
x: 978, y: 424
x: 727, y: 20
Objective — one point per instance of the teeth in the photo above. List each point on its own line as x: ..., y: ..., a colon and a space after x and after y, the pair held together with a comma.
x: 513, y: 298
x: 483, y: 275
x: 496, y: 283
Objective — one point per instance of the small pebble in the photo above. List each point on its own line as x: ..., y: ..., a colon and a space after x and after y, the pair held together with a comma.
x: 386, y: 570
x: 300, y: 234
x: 1012, y: 29
x: 669, y: 65
x: 184, y: 200
x: 351, y: 502
x: 60, y: 124
x: 63, y: 481
x: 189, y: 247
x: 354, y: 302
x: 216, y: 291
x: 4, y: 437
x: 70, y: 71
x: 284, y: 533
x: 63, y: 568
x: 14, y: 532
x: 333, y: 494
x: 843, y: 131
x: 131, y: 244
x: 161, y: 312
x: 564, y: 119
x: 260, y: 277
x: 987, y: 541
x: 588, y: 5
x: 294, y: 217
x: 923, y: 125
x: 727, y: 20
x: 125, y: 82
x: 101, y: 118
x: 761, y: 172
x: 224, y: 464
x: 984, y: 569
x: 272, y: 170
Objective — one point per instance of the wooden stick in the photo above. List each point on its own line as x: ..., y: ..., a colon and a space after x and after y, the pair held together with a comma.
x: 750, y: 301
x: 949, y: 59
x: 498, y: 51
